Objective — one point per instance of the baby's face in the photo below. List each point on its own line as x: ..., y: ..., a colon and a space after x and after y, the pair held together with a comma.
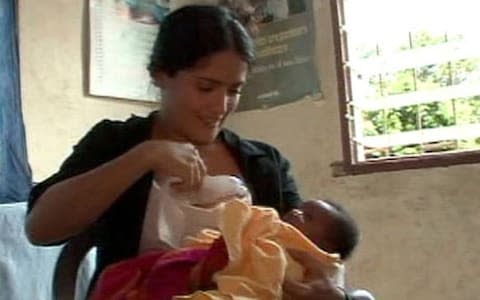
x: 314, y: 219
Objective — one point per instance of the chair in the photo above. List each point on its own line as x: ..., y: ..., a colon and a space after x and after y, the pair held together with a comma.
x: 26, y: 271
x: 362, y: 295
x: 68, y: 264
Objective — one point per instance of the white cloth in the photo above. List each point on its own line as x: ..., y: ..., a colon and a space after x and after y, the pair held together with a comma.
x: 172, y: 216
x: 26, y: 271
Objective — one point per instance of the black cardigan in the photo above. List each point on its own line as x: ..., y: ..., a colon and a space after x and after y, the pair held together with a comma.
x: 118, y: 231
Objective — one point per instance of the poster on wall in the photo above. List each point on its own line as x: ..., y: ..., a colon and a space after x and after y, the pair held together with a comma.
x: 285, y: 69
x: 122, y: 34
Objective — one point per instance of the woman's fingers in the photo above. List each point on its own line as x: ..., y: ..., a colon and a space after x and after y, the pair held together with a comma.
x: 188, y: 179
x: 202, y: 167
x: 312, y: 290
x: 314, y: 268
x: 180, y: 160
x: 192, y: 173
x: 316, y: 284
x: 197, y: 171
x: 303, y: 257
x: 295, y: 290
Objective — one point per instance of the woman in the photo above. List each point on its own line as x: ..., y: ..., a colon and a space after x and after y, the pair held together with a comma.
x: 200, y: 61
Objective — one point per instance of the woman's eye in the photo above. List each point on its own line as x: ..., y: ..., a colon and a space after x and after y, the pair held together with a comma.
x: 205, y: 88
x: 235, y: 92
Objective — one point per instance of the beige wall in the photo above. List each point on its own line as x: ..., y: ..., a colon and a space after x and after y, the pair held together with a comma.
x: 57, y: 112
x: 419, y: 227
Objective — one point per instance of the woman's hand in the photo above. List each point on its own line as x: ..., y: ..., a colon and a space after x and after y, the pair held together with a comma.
x: 316, y: 286
x: 173, y: 159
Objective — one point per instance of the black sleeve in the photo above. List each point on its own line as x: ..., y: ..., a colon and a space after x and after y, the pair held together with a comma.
x: 94, y: 149
x: 290, y: 196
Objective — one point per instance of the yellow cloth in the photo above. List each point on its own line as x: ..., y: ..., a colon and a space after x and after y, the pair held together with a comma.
x: 256, y: 240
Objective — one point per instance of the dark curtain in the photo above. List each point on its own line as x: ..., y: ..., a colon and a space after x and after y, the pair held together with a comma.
x: 15, y: 174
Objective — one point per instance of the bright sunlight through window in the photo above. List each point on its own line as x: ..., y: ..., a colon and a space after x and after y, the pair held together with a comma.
x: 412, y: 76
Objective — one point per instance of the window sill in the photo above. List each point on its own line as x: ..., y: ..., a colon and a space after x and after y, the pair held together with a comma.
x: 340, y: 168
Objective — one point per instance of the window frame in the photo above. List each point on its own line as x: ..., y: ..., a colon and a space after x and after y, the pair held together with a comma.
x: 349, y: 167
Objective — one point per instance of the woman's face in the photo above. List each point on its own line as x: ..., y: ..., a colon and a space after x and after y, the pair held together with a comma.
x: 196, y: 101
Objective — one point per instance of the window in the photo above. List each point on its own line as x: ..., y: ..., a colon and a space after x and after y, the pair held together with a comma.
x: 408, y: 83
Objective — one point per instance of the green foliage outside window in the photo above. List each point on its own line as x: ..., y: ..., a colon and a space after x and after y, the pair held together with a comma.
x: 423, y: 116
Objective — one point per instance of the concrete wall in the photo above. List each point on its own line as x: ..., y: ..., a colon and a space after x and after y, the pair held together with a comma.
x: 419, y: 226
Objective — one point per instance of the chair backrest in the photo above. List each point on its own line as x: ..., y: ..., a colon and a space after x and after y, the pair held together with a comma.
x: 362, y: 295
x: 68, y: 263
x: 21, y: 263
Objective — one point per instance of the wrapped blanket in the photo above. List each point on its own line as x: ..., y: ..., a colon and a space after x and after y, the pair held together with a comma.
x: 248, y: 262
x: 256, y: 241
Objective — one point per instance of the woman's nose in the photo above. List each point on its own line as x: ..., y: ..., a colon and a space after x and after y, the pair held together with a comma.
x: 219, y: 103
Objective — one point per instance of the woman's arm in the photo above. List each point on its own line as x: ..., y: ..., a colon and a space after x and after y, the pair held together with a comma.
x: 73, y: 202
x: 69, y: 206
x: 318, y: 285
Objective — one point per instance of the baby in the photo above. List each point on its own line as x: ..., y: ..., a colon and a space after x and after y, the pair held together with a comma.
x: 327, y: 224
x: 321, y: 227
x: 165, y: 274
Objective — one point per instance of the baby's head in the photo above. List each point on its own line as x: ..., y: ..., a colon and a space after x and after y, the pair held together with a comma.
x: 326, y: 224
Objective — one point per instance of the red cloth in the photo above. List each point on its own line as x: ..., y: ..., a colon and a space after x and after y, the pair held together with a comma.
x: 215, y: 260
x: 161, y: 275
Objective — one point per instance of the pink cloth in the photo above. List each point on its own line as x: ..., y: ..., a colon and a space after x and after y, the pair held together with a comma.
x: 155, y: 275
x: 159, y: 275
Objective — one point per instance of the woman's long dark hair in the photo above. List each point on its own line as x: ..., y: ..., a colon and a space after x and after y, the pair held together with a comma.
x: 193, y: 32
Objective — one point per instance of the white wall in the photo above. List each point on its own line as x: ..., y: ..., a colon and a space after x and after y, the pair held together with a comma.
x: 419, y: 227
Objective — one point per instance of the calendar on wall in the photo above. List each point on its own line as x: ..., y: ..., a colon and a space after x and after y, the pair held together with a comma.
x: 121, y: 38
